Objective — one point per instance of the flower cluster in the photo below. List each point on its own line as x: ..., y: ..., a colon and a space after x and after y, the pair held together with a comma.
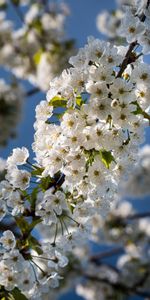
x: 139, y: 183
x: 130, y: 21
x: 18, y: 271
x: 107, y: 22
x: 127, y: 235
x: 38, y: 48
x: 91, y: 146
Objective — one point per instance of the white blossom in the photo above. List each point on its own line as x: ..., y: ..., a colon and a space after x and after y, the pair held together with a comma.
x: 8, y: 240
x: 18, y: 157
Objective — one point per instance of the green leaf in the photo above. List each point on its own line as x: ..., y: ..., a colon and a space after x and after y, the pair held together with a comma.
x: 107, y: 158
x: 36, y: 221
x: 37, y: 56
x: 17, y: 295
x: 138, y: 110
x: 90, y: 154
x: 89, y: 161
x: 37, y: 171
x: 71, y: 207
x: 46, y: 183
x: 36, y: 24
x: 34, y: 198
x: 58, y: 116
x: 58, y: 101
x: 10, y: 297
x: 35, y: 245
x: 25, y: 195
x: 79, y: 100
x: 22, y: 224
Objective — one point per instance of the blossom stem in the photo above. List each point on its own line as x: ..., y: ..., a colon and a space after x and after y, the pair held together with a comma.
x: 65, y: 226
x: 38, y: 266
x: 34, y: 272
x: 62, y: 230
x: 55, y: 236
x: 72, y: 219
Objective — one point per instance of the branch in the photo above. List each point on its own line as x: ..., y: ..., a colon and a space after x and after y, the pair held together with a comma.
x: 143, y: 17
x: 118, y: 250
x: 105, y: 254
x: 139, y: 215
x: 148, y: 3
x: 129, y: 58
x: 32, y: 92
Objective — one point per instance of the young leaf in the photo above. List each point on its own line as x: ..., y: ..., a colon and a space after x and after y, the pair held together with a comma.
x: 37, y: 56
x: 79, y: 100
x: 37, y: 25
x: 35, y: 245
x: 107, y: 158
x: 37, y: 171
x: 22, y: 224
x: 57, y: 101
x: 138, y: 110
x: 34, y: 198
x: 17, y: 295
x: 46, y: 183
